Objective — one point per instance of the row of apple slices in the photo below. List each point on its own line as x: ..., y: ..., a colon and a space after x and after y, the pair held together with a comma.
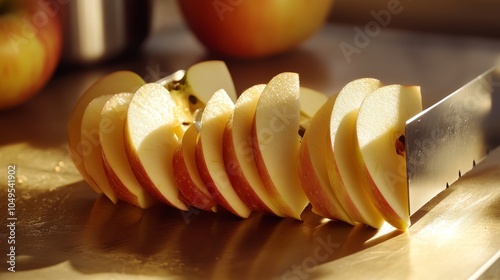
x: 122, y: 143
x: 149, y: 150
x: 88, y: 121
x: 247, y: 155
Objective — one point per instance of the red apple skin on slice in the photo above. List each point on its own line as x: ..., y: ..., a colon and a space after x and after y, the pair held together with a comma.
x: 121, y: 190
x: 276, y: 143
x: 186, y: 174
x: 238, y: 180
x: 116, y: 82
x: 209, y: 149
x: 384, y: 162
x: 312, y: 170
x: 115, y: 162
x: 238, y: 155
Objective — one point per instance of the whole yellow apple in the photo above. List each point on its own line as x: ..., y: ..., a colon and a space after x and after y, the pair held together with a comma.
x: 30, y: 48
x: 253, y: 29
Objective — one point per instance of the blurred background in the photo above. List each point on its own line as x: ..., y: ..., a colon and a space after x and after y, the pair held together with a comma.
x: 335, y: 43
x: 459, y: 17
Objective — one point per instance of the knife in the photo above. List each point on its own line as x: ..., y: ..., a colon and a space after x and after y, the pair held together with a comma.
x: 449, y: 138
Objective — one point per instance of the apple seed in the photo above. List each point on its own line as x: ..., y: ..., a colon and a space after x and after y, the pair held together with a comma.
x: 400, y: 146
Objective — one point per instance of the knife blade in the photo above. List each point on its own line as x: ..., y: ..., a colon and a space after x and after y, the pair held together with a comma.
x: 449, y: 138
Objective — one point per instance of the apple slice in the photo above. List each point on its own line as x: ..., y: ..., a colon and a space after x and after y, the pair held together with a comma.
x: 152, y: 130
x: 344, y: 171
x: 199, y: 84
x: 238, y: 155
x: 92, y: 158
x: 205, y: 78
x: 209, y: 154
x: 380, y: 129
x: 121, y: 81
x: 276, y: 143
x: 115, y: 161
x: 312, y: 170
x: 186, y: 175
x: 311, y: 101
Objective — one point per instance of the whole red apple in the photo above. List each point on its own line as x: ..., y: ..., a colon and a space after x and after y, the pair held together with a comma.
x: 30, y: 47
x: 253, y: 29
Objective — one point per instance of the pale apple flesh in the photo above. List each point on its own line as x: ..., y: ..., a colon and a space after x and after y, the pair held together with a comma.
x: 311, y: 101
x: 150, y: 139
x: 343, y: 177
x: 186, y: 175
x: 276, y: 143
x: 197, y: 86
x: 201, y: 81
x: 350, y: 169
x: 380, y: 130
x: 92, y: 158
x: 238, y: 155
x: 116, y: 82
x: 313, y: 171
x: 115, y: 161
x: 209, y: 154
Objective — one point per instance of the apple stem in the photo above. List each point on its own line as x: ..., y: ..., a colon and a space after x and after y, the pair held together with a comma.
x: 173, y: 85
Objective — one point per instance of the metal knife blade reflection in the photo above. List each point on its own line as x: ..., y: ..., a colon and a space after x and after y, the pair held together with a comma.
x: 448, y: 139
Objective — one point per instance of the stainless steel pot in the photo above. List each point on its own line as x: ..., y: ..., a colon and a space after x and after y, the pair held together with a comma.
x: 98, y: 30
